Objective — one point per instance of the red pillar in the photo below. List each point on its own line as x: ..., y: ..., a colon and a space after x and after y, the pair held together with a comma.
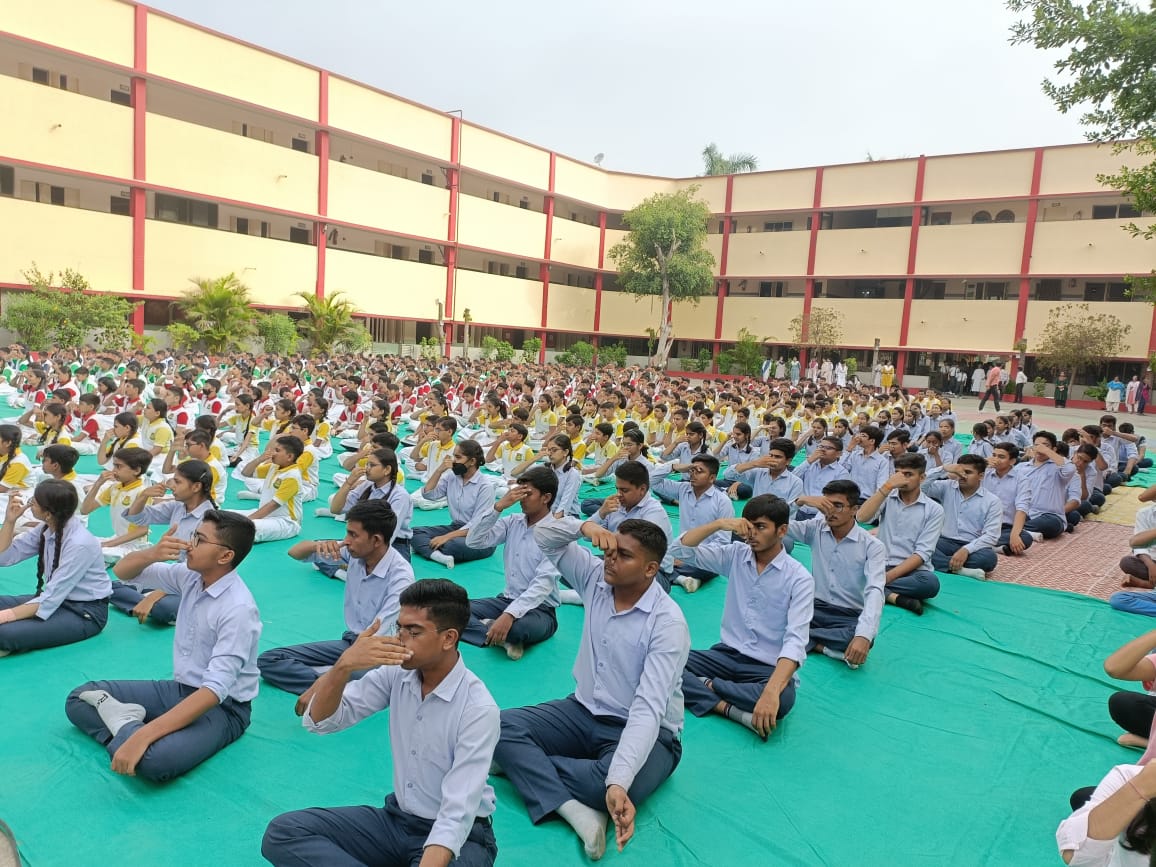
x: 598, y: 280
x: 1026, y: 258
x: 813, y: 245
x: 322, y: 178
x: 909, y: 286
x: 137, y: 205
x: 544, y: 270
x: 453, y: 176
x: 721, y: 289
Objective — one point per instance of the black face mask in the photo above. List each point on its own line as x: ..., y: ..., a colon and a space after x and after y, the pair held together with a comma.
x: 458, y: 469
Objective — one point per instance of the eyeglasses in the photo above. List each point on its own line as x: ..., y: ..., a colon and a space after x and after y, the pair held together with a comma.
x: 198, y: 538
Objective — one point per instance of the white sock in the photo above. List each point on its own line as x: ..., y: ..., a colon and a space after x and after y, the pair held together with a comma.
x: 690, y: 585
x: 114, y: 714
x: 445, y: 559
x: 569, y: 596
x: 589, y: 825
x: 247, y: 495
x: 514, y: 651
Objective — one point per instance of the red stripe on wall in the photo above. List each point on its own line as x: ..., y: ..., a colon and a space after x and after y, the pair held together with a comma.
x: 453, y: 176
x: 544, y: 268
x: 322, y: 148
x: 721, y: 289
x: 909, y: 286
x: 1029, y: 241
x: 138, y: 93
x: 813, y: 246
x: 598, y: 276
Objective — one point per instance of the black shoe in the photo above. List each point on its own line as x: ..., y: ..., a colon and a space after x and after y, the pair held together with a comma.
x: 915, y: 606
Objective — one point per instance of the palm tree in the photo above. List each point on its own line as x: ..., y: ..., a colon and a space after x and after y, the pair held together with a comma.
x: 330, y: 324
x: 714, y: 163
x: 220, y: 310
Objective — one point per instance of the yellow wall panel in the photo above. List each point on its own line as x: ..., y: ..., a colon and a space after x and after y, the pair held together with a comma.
x: 214, y: 163
x: 570, y: 308
x: 757, y: 254
x: 766, y: 318
x: 581, y: 182
x: 59, y: 128
x: 99, y: 246
x: 1137, y: 315
x: 693, y: 321
x: 865, y: 319
x: 869, y: 184
x: 375, y: 199
x: 497, y: 300
x: 516, y: 231
x: 504, y: 158
x: 623, y: 192
x: 712, y: 190
x: 950, y: 323
x: 1074, y: 169
x: 218, y: 64
x: 98, y: 28
x: 978, y: 176
x: 774, y: 191
x: 387, y: 119
x: 866, y: 252
x: 386, y: 287
x: 576, y: 243
x: 984, y: 248
x: 1090, y: 247
x: 615, y: 236
x: 273, y: 270
x: 623, y: 313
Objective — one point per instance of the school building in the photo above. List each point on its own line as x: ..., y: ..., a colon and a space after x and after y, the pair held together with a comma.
x: 144, y: 151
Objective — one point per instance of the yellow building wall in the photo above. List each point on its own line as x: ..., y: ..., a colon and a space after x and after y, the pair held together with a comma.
x: 214, y: 163
x: 869, y: 184
x: 862, y: 252
x: 495, y: 300
x: 211, y: 62
x: 757, y: 254
x: 384, y: 118
x: 983, y: 249
x: 580, y: 182
x: 623, y: 192
x: 864, y: 319
x: 59, y: 128
x: 1090, y: 247
x: 766, y: 318
x: 383, y: 201
x: 691, y: 321
x: 504, y: 158
x: 386, y: 287
x: 1137, y: 315
x: 1073, y: 169
x: 978, y: 176
x: 951, y: 323
x: 622, y: 314
x: 570, y: 308
x: 97, y: 245
x: 576, y: 243
x: 98, y: 28
x: 712, y: 190
x: 774, y: 191
x: 615, y: 236
x: 273, y: 270
x: 516, y: 231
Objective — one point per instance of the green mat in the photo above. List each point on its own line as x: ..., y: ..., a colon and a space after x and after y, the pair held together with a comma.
x: 958, y: 742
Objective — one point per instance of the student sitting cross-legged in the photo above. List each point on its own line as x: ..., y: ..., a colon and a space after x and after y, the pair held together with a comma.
x: 469, y: 495
x: 443, y: 725
x: 749, y: 676
x: 972, y: 519
x: 162, y: 729
x: 282, y: 490
x: 524, y: 613
x: 376, y: 574
x: 611, y: 743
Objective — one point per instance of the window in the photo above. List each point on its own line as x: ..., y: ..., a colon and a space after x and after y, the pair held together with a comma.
x: 520, y: 272
x: 119, y: 205
x: 1103, y: 212
x: 940, y: 218
x: 298, y: 235
x: 264, y: 229
x: 772, y: 288
x: 241, y: 225
x: 427, y: 179
x: 7, y: 181
x: 981, y: 217
x: 120, y: 97
x: 64, y: 82
x: 1005, y: 216
x: 780, y: 226
x: 524, y: 204
x: 300, y: 144
x: 1127, y: 211
x: 175, y: 209
x: 929, y: 289
x: 425, y: 257
x: 1049, y: 290
x: 398, y: 252
x: 40, y: 76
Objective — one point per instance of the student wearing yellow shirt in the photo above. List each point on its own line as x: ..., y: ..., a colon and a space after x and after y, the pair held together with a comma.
x: 155, y: 434
x: 319, y: 409
x: 510, y: 450
x: 129, y: 466
x: 279, y: 515
x: 196, y: 446
x: 601, y: 447
x: 543, y: 418
x: 122, y: 434
x: 15, y: 468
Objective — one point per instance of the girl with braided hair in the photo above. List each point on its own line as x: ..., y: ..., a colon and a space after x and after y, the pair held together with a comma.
x: 72, y: 588
x: 15, y: 468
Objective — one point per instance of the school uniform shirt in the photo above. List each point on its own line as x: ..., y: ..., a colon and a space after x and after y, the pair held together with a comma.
x: 118, y: 498
x: 16, y: 471
x: 374, y: 594
x: 815, y: 476
x: 181, y: 416
x: 1073, y: 835
x: 849, y: 572
x: 1145, y: 521
x: 731, y: 454
x: 980, y: 447
x: 975, y: 520
x: 218, y: 627
x: 1048, y: 484
x: 87, y: 425
x: 51, y: 436
x: 1012, y: 491
x: 220, y: 484
x: 395, y: 496
x: 766, y: 615
x: 442, y: 744
x: 283, y: 486
x: 531, y: 579
x: 869, y: 472
x: 433, y: 453
x: 647, y: 509
x: 787, y: 486
x: 309, y: 464
x: 578, y: 449
x: 600, y: 454
x: 629, y: 665
x: 569, y: 481
x: 175, y: 515
x: 80, y: 575
x: 951, y: 451
x: 542, y: 421
x: 909, y: 529
x: 468, y: 500
x: 695, y: 511
x: 156, y: 433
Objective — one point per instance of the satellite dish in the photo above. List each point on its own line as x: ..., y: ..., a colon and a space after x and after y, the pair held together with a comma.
x: 598, y: 158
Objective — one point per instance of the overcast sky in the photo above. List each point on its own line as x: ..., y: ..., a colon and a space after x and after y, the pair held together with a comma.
x: 649, y: 83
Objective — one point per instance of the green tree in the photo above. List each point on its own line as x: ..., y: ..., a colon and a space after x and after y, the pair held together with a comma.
x: 531, y: 349
x: 279, y: 333
x: 819, y: 331
x: 745, y: 357
x: 330, y: 325
x: 221, y: 311
x: 1073, y: 338
x: 714, y: 163
x: 581, y: 354
x: 493, y: 348
x: 63, y: 309
x: 1107, y: 54
x: 665, y: 255
x: 614, y: 355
